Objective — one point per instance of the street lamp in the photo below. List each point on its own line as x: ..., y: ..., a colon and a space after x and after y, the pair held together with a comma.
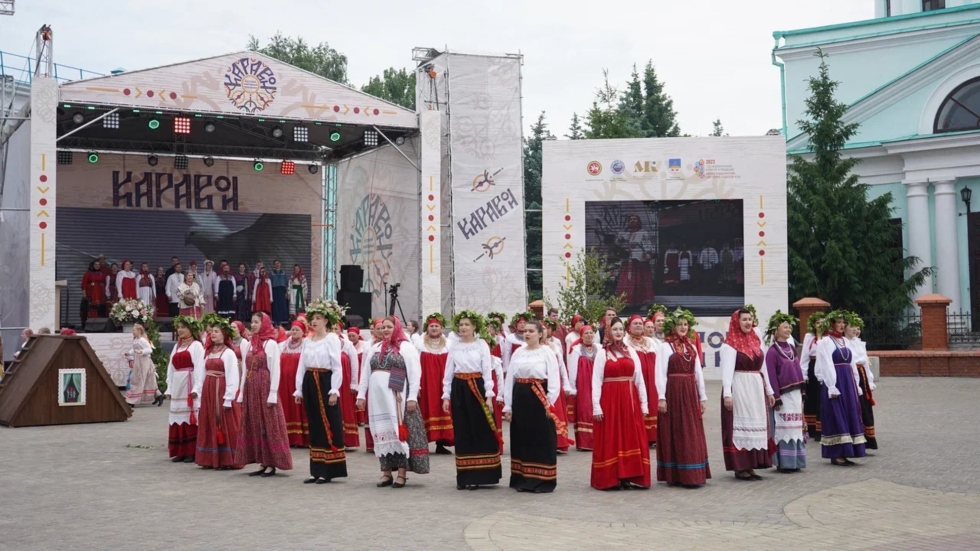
x: 966, y: 194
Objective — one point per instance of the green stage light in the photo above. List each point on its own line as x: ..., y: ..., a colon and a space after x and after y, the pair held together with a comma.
x: 335, y: 136
x: 258, y: 166
x: 154, y: 124
x: 93, y: 157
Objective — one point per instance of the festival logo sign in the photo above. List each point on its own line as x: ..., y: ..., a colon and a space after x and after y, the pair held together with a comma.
x: 594, y: 168
x: 709, y: 168
x: 484, y: 181
x: 485, y: 215
x: 645, y: 168
x: 370, y: 242
x: 250, y: 85
x: 617, y: 167
x: 493, y: 247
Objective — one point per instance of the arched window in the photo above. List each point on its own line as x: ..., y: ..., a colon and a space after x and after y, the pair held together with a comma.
x: 961, y: 109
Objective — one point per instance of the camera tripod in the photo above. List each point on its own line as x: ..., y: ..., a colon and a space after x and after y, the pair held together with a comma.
x: 393, y: 291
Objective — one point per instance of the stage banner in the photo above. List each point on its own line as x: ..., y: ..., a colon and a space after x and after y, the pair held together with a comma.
x: 697, y: 223
x: 430, y: 214
x: 44, y: 190
x: 378, y: 224
x: 487, y: 183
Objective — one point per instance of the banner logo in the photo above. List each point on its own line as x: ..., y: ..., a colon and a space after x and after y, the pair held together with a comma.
x: 594, y: 168
x: 674, y: 165
x: 250, y: 85
x: 483, y: 182
x: 370, y: 242
x: 617, y: 167
x: 493, y: 246
x: 645, y: 166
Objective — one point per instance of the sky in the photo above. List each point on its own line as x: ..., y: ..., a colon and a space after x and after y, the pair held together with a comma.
x: 714, y: 56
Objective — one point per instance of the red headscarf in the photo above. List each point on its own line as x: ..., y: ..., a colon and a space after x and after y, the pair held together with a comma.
x: 281, y: 335
x: 297, y: 275
x: 608, y: 343
x: 300, y: 324
x: 265, y: 332
x: 240, y: 327
x: 378, y: 322
x: 397, y: 336
x: 633, y: 318
x: 432, y: 320
x: 578, y: 341
x: 658, y: 315
x: 746, y: 343
x: 575, y: 319
x: 354, y: 330
x: 227, y: 343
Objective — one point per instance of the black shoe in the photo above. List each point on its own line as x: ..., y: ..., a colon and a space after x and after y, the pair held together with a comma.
x: 311, y: 480
x: 756, y: 477
x: 177, y: 460
x: 401, y: 484
x: 472, y: 487
x: 322, y: 481
x: 458, y: 487
x: 269, y: 473
x: 441, y: 450
x: 259, y: 472
x: 158, y: 401
x: 385, y: 481
x: 189, y: 459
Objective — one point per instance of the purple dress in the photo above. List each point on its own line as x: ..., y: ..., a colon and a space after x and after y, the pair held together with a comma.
x: 842, y: 432
x: 788, y: 425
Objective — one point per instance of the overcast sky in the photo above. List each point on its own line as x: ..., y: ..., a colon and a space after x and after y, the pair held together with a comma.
x: 713, y: 55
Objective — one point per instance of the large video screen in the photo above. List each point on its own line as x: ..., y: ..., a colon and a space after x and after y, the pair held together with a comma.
x: 676, y: 253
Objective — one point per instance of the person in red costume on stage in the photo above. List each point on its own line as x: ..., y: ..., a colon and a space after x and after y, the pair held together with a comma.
x: 262, y: 293
x: 433, y: 351
x: 297, y: 429
x: 126, y: 282
x: 93, y: 290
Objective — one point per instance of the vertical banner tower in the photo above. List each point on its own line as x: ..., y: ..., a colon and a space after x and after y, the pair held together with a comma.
x: 43, y: 182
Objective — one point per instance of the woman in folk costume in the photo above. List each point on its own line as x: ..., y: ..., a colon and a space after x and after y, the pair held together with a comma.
x: 351, y: 367
x: 160, y: 298
x: 635, y: 282
x: 786, y: 377
x: 263, y: 438
x: 111, y: 286
x: 289, y: 384
x: 682, y: 451
x: 514, y: 340
x: 375, y: 336
x: 191, y: 300
x: 146, y: 289
x: 390, y: 379
x: 262, y: 293
x: 653, y: 327
x: 532, y: 387
x: 280, y: 291
x: 565, y: 440
x: 319, y: 385
x: 746, y: 399
x: 581, y: 359
x: 243, y: 289
x: 808, y: 357
x: 224, y: 292
x: 841, y: 427
x: 863, y: 378
x: 621, y: 456
x: 492, y: 336
x: 299, y: 292
x: 646, y: 351
x: 433, y: 352
x: 143, y: 379
x: 126, y: 282
x: 221, y: 416
x: 574, y: 334
x: 468, y: 395
x: 209, y: 280
x: 360, y: 347
x: 93, y: 290
x: 185, y: 377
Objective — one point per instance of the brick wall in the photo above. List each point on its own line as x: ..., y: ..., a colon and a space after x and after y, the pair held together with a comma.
x: 909, y: 363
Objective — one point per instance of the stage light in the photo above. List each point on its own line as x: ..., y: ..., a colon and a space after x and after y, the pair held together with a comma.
x: 93, y: 157
x: 152, y: 160
x: 78, y: 118
x: 153, y: 124
x: 313, y: 169
x: 258, y: 166
x: 276, y: 131
x: 210, y: 127
x: 335, y: 136
x: 182, y: 125
x: 181, y: 162
x: 288, y: 168
x: 370, y: 138
x: 65, y: 157
x: 301, y: 134
x: 400, y: 140
x: 111, y: 121
x: 209, y: 161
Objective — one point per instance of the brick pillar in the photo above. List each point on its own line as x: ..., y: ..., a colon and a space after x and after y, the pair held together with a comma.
x: 935, y: 334
x: 807, y: 306
x: 538, y: 308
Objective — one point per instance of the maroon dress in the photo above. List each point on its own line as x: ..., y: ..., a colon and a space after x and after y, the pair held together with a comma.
x: 352, y: 436
x: 682, y: 451
x: 218, y: 426
x: 296, y: 425
x: 621, y: 453
x: 648, y: 363
x: 584, y: 423
x: 263, y: 437
x: 737, y: 459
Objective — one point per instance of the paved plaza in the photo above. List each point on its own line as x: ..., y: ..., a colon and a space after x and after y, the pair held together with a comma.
x: 112, y: 486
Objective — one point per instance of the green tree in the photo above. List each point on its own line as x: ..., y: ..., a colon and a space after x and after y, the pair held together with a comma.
x: 575, y: 129
x: 606, y: 119
x: 659, y: 117
x: 642, y: 110
x: 321, y: 59
x: 396, y: 86
x: 718, y: 130
x: 532, y: 198
x: 840, y: 244
x: 585, y: 292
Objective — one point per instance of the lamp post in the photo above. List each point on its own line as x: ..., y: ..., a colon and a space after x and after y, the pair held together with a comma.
x: 966, y: 194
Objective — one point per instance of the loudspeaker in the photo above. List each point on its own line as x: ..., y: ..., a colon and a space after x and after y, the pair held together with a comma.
x: 353, y: 320
x: 98, y: 325
x: 351, y: 278
x: 358, y: 304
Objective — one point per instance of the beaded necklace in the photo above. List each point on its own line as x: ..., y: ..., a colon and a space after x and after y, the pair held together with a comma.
x: 792, y: 353
x: 841, y: 345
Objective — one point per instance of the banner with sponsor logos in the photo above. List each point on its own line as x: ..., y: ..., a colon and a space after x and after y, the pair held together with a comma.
x: 378, y: 223
x: 487, y: 182
x: 697, y: 223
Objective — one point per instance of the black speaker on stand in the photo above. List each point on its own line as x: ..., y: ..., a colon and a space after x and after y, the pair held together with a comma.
x: 351, y: 278
x: 358, y: 303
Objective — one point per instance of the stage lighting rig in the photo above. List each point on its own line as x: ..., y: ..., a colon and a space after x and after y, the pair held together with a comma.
x: 152, y: 160
x: 258, y: 166
x: 210, y: 127
x: 313, y: 169
x: 288, y: 168
x: 182, y: 125
x: 370, y: 138
x: 65, y: 157
x: 301, y: 134
x: 276, y: 131
x: 78, y: 118
x: 111, y: 121
x: 209, y: 161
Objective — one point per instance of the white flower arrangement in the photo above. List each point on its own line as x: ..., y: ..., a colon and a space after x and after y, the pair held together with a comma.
x: 130, y: 311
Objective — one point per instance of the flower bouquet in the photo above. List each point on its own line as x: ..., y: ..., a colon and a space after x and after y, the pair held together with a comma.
x: 130, y: 311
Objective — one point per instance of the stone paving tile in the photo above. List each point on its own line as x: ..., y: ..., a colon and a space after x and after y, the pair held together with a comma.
x: 81, y: 487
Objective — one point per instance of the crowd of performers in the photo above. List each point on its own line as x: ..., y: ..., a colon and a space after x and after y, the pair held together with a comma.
x: 176, y: 291
x: 243, y: 394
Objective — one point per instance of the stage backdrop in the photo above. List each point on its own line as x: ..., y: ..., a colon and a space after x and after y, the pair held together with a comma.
x: 692, y: 222
x: 378, y: 223
x: 125, y: 209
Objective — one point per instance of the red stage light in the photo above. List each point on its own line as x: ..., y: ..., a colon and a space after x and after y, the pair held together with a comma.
x: 182, y: 125
x: 288, y: 168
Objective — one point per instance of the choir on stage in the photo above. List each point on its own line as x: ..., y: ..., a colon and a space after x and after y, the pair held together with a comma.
x: 247, y: 393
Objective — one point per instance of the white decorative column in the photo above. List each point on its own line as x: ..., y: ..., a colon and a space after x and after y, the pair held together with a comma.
x: 947, y: 250
x: 920, y: 244
x: 430, y: 124
x: 44, y: 106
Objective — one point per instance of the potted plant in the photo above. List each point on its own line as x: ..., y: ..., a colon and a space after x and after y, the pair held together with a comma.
x: 127, y: 313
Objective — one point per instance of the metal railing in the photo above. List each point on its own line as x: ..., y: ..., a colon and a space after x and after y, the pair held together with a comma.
x: 902, y: 332
x: 21, y: 68
x: 963, y: 328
